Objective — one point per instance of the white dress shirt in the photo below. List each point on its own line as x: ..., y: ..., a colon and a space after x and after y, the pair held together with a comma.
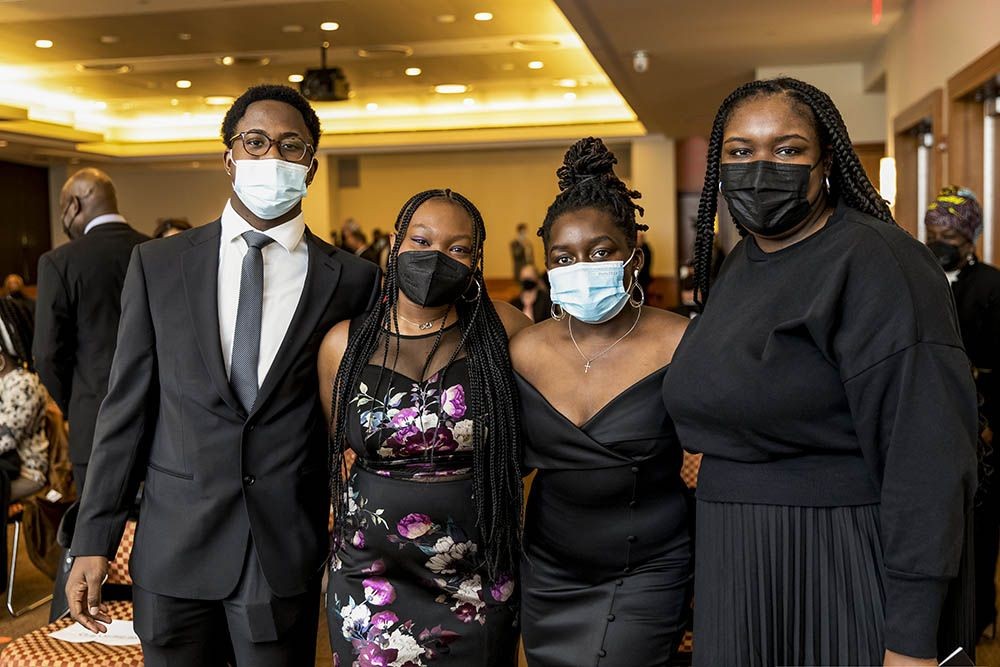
x: 286, y: 262
x: 103, y: 220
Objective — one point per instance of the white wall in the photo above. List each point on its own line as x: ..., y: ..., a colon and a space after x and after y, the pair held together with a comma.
x: 863, y: 112
x: 653, y: 174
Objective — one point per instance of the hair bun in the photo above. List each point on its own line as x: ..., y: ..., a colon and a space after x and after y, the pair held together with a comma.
x: 585, y: 160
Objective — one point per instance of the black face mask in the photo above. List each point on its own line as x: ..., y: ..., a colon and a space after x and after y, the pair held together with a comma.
x: 767, y: 198
x: 948, y: 255
x: 528, y: 284
x: 431, y: 278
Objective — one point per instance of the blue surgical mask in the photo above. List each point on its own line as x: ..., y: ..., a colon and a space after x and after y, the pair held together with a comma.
x: 592, y: 292
x: 270, y: 188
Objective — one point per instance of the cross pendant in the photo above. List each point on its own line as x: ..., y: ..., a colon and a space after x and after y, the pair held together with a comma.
x: 586, y: 369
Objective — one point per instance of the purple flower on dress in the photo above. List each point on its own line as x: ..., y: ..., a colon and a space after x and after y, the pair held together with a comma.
x: 379, y: 592
x: 466, y: 612
x: 453, y: 401
x: 414, y: 525
x: 358, y: 540
x: 403, y: 423
x: 384, y: 620
x: 438, y: 439
x: 502, y: 588
x: 374, y: 655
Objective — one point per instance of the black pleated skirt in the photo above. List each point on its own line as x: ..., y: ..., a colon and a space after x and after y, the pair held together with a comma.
x: 780, y: 585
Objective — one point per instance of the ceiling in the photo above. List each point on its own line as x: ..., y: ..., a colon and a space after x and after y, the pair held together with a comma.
x: 699, y: 50
x: 108, y: 84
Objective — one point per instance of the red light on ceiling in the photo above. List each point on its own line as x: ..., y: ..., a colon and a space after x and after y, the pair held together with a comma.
x: 876, y: 12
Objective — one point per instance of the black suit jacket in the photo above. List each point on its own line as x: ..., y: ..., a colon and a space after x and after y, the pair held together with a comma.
x: 76, y: 322
x: 213, y: 473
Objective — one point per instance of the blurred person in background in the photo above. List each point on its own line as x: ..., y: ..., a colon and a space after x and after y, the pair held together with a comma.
x: 521, y: 252
x: 534, y: 299
x: 170, y: 226
x: 13, y: 286
x: 954, y: 222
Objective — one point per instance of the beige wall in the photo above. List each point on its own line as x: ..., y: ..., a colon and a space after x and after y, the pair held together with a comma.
x: 933, y: 40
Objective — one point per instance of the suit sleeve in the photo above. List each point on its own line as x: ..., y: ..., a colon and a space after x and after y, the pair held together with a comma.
x: 915, y: 416
x: 124, y: 424
x: 372, y: 286
x: 54, y: 346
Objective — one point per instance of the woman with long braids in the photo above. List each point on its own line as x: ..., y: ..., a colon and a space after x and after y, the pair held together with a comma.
x: 607, y: 566
x: 426, y: 532
x: 826, y: 385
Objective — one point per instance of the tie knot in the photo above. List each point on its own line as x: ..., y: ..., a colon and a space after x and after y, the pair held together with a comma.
x: 256, y: 239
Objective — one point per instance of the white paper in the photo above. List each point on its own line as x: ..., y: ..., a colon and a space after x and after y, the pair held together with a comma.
x: 120, y: 633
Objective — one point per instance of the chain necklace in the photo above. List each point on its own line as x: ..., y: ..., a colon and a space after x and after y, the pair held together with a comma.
x: 423, y: 326
x: 586, y: 367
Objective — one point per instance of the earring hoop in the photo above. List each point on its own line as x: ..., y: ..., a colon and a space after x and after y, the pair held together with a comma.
x: 826, y: 179
x: 557, y: 315
x: 479, y: 292
x: 632, y: 300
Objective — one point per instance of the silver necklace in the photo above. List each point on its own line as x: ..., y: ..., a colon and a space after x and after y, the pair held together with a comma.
x: 586, y: 367
x: 422, y: 326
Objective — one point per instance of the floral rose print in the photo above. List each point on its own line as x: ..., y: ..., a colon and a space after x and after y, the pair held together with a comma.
x: 414, y: 525
x: 379, y: 592
x: 453, y: 401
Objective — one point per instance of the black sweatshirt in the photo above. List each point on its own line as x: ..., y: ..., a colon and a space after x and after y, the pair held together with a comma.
x: 831, y: 373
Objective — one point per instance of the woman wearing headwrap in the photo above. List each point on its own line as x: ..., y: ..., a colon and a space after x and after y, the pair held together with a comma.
x: 954, y: 222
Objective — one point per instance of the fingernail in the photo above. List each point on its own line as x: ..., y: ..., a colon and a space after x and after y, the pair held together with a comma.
x: 94, y: 610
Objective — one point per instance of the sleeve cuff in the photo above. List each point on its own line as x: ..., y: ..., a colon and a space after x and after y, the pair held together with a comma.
x: 912, y: 613
x: 92, y: 541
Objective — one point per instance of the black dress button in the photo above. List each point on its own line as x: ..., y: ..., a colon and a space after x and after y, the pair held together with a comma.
x: 635, y: 470
x: 601, y: 653
x: 631, y: 538
x: 626, y: 569
x: 611, y: 617
x: 633, y: 504
x: 249, y: 480
x: 253, y: 426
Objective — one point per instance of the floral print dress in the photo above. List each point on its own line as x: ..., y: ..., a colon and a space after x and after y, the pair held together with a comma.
x: 410, y: 588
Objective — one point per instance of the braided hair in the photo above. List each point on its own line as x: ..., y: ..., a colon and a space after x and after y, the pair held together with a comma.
x: 587, y: 180
x: 497, y: 485
x: 18, y: 332
x: 847, y: 177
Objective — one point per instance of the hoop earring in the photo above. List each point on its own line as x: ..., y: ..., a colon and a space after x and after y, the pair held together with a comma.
x: 557, y: 315
x: 720, y: 187
x: 632, y: 300
x: 826, y: 179
x: 479, y: 292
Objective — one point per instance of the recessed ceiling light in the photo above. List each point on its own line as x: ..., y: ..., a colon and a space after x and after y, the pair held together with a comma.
x: 219, y: 100
x: 174, y: 102
x: 329, y: 26
x: 295, y: 78
x: 451, y: 88
x: 227, y: 60
x: 569, y: 97
x: 196, y: 164
x: 536, y: 64
x: 105, y: 68
x: 291, y: 28
x: 43, y: 43
x: 413, y: 71
x: 184, y: 36
x: 445, y: 18
x: 183, y: 83
x: 483, y: 16
x: 371, y: 106
x: 567, y: 83
x: 109, y: 39
x: 469, y: 102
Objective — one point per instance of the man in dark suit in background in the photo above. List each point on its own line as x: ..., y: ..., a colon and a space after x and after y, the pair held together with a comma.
x: 79, y: 303
x: 214, y: 400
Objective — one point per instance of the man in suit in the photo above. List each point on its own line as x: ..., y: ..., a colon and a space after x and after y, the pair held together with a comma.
x: 214, y: 400
x: 78, y: 306
x: 521, y: 251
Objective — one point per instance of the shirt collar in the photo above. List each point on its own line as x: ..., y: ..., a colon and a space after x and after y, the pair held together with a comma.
x: 288, y: 234
x: 103, y: 220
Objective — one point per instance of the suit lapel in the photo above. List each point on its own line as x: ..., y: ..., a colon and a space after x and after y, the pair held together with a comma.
x: 200, y: 268
x: 322, y: 275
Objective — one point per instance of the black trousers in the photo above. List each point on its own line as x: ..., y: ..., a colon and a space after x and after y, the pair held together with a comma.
x: 250, y: 628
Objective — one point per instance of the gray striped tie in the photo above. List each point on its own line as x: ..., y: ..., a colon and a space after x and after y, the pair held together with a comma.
x: 246, y: 340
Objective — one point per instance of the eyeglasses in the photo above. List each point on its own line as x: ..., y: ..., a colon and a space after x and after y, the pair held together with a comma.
x: 258, y: 144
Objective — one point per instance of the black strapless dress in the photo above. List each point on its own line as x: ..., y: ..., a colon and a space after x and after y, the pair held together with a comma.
x: 410, y: 587
x: 606, y: 572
